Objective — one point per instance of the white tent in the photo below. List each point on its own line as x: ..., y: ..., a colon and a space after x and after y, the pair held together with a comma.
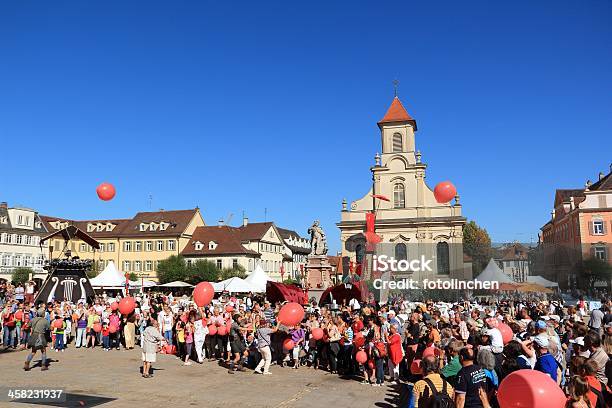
x: 542, y: 281
x: 493, y: 273
x: 176, y: 284
x: 257, y: 279
x: 233, y: 285
x: 144, y: 283
x: 110, y: 277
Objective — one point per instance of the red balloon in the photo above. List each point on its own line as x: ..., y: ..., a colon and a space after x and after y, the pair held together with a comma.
x: 506, y: 332
x: 105, y: 191
x: 58, y: 323
x: 529, y: 388
x: 317, y: 333
x: 429, y: 351
x: 127, y: 305
x: 444, y: 192
x: 203, y: 293
x: 113, y: 329
x: 221, y: 331
x: 415, y: 367
x: 359, y: 340
x: 291, y: 314
x: 361, y: 357
x: 114, y: 306
x: 212, y: 330
x: 288, y: 344
x: 371, y: 364
x: 229, y: 308
x: 97, y: 327
x: 18, y: 315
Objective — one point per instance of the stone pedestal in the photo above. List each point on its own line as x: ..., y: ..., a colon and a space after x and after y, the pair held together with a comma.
x: 318, y: 272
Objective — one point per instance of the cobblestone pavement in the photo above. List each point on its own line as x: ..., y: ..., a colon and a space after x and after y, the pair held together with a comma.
x: 112, y: 379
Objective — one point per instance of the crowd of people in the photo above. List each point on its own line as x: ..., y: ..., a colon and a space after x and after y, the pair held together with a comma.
x: 447, y: 353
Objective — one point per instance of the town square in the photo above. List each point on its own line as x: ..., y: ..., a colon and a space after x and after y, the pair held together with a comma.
x: 276, y: 204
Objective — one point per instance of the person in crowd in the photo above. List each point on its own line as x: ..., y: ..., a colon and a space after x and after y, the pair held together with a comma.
x: 578, y: 389
x: 263, y: 344
x: 545, y: 363
x: 38, y: 340
x: 471, y: 382
x: 151, y: 343
x: 432, y: 383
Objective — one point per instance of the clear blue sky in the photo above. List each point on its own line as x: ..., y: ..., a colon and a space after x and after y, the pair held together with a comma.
x: 249, y: 105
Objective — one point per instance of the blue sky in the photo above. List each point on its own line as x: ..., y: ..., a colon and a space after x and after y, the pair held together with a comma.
x: 238, y: 106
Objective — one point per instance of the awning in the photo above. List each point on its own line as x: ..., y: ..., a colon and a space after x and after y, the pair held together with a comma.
x: 71, y: 232
x: 341, y: 293
x: 176, y: 284
x: 279, y: 292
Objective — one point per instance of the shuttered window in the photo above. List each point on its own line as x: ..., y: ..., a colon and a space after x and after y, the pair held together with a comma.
x: 397, y: 143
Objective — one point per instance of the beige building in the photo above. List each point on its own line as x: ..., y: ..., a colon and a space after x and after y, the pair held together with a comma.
x: 134, y: 245
x: 412, y: 223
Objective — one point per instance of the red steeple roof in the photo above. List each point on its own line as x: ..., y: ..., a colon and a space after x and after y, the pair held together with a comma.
x: 397, y: 113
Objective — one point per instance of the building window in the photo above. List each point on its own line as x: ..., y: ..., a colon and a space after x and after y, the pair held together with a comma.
x: 401, y: 254
x: 171, y: 245
x: 19, y: 239
x: 111, y: 247
x: 235, y: 263
x: 20, y: 220
x: 127, y: 246
x: 18, y: 260
x: 28, y: 240
x: 219, y: 264
x: 600, y: 253
x: 6, y: 260
x: 83, y: 247
x: 160, y: 245
x: 189, y: 262
x: 137, y: 266
x: 598, y: 227
x: 398, y: 196
x: 138, y: 246
x: 126, y: 266
x: 397, y: 143
x: 149, y: 246
x: 443, y: 259
x: 148, y: 266
x: 102, y: 247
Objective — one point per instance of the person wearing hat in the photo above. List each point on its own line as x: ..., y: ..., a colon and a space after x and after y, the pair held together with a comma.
x: 545, y: 362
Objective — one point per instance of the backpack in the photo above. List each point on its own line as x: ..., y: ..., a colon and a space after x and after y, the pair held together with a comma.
x: 603, y: 396
x: 436, y: 399
x: 381, y: 349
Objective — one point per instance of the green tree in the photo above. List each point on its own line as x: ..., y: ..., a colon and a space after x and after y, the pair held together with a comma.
x: 93, y: 271
x: 237, y: 271
x: 595, y: 269
x: 172, y: 269
x: 477, y: 244
x: 133, y: 276
x: 203, y: 271
x: 21, y: 275
x: 290, y: 282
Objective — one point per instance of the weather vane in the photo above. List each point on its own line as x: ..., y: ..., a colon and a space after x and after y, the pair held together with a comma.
x: 395, y: 85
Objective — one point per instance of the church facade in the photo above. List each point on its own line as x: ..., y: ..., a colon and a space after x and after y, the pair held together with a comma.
x: 411, y: 224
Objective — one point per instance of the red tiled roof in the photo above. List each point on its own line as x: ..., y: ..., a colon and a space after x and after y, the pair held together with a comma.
x: 397, y: 113
x: 255, y: 231
x: 228, y: 240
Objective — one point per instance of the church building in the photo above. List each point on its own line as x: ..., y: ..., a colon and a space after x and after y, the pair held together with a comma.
x: 411, y: 223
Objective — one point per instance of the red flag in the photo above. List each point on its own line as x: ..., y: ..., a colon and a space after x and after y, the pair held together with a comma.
x: 380, y: 197
x: 370, y: 221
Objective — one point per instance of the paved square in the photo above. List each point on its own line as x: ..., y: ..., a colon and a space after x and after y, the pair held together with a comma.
x: 115, y: 375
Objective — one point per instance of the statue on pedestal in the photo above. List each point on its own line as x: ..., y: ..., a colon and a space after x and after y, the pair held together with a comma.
x: 318, y: 242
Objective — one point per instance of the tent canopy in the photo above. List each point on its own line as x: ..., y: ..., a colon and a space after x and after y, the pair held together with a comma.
x: 542, y: 281
x: 233, y: 285
x: 341, y: 293
x: 110, y: 277
x: 279, y: 292
x: 176, y: 284
x: 258, y: 279
x: 493, y: 273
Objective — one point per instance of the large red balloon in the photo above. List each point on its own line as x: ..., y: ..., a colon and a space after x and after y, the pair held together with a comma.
x: 288, y: 344
x: 114, y: 306
x: 506, y: 332
x: 57, y: 323
x: 212, y: 330
x: 291, y: 314
x: 415, y: 367
x: 444, y: 192
x: 203, y: 293
x: 127, y: 305
x: 529, y: 388
x: 361, y: 357
x: 97, y: 327
x: 317, y: 333
x: 429, y: 351
x: 359, y: 340
x: 105, y: 191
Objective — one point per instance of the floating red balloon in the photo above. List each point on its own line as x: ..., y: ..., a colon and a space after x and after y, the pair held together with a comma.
x: 203, y: 293
x: 127, y: 305
x: 317, y: 333
x: 529, y: 388
x: 105, y: 191
x: 361, y: 357
x: 221, y: 331
x: 444, y: 192
x: 359, y: 340
x: 288, y: 344
x: 114, y: 306
x: 506, y: 332
x: 18, y: 315
x: 97, y: 327
x: 212, y: 330
x: 291, y: 314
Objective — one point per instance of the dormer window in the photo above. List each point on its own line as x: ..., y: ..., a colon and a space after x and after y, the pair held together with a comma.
x: 163, y: 226
x: 90, y: 227
x: 38, y: 224
x: 110, y: 226
x: 100, y: 227
x: 198, y: 246
x: 153, y: 226
x: 4, y: 220
x: 212, y: 245
x: 143, y: 226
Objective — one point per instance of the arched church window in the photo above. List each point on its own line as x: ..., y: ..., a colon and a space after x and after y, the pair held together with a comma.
x: 359, y: 253
x: 400, y: 252
x: 443, y: 259
x: 398, y: 145
x: 398, y: 196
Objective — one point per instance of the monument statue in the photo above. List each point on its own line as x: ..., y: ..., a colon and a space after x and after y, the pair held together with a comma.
x: 318, y: 242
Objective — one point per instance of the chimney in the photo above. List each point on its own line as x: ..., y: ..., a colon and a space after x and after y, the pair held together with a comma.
x: 245, y: 221
x: 221, y: 222
x: 601, y: 175
x: 572, y: 203
x: 552, y: 214
x: 3, y: 204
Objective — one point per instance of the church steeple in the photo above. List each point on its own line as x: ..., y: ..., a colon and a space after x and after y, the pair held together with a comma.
x: 397, y: 114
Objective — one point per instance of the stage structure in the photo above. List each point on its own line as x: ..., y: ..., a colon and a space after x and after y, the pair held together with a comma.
x: 67, y: 279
